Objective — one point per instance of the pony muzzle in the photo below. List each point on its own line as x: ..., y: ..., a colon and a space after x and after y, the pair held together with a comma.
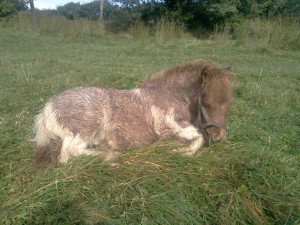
x: 216, y: 134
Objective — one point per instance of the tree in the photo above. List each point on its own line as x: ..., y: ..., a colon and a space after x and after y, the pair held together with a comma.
x: 70, y: 10
x: 8, y: 7
x: 292, y: 8
x: 89, y: 10
x: 197, y: 13
x: 255, y: 8
x: 101, y: 9
x: 208, y: 13
x: 129, y: 4
x: 31, y: 4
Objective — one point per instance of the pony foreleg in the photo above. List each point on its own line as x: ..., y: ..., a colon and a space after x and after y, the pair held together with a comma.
x: 192, y: 134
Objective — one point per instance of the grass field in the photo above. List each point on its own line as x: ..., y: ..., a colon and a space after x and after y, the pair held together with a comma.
x: 253, y: 178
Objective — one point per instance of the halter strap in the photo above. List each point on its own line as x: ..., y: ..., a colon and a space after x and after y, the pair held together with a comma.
x: 208, y: 122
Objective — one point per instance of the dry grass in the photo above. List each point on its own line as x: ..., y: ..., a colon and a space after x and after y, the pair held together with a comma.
x: 276, y: 33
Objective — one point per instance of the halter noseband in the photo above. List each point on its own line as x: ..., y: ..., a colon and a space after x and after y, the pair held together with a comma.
x: 208, y: 122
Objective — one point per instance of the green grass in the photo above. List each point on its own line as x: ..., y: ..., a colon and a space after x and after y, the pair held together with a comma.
x: 253, y: 178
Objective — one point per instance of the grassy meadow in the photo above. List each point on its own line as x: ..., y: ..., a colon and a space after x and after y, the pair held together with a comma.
x: 252, y: 178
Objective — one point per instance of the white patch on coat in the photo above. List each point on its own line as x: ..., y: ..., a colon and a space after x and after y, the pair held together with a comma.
x: 137, y: 91
x: 47, y: 127
x: 74, y: 146
x: 170, y: 119
x: 189, y: 133
x: 51, y: 123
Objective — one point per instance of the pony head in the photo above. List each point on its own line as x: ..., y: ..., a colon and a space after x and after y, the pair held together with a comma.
x: 215, y: 98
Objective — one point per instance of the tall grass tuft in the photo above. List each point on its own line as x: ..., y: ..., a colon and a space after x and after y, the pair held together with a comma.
x: 84, y: 28
x: 140, y: 31
x: 168, y: 30
x: 49, y: 24
x: 164, y: 31
x: 276, y: 33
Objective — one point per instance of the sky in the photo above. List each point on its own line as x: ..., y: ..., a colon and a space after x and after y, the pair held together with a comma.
x: 52, y: 4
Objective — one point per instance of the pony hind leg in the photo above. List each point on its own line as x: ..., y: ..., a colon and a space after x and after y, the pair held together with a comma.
x: 74, y: 146
x: 48, y: 153
x: 47, y: 145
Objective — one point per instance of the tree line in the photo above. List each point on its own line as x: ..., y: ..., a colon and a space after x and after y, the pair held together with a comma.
x: 194, y: 14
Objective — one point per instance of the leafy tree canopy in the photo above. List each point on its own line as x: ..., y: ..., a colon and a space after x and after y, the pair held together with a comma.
x: 192, y: 13
x: 8, y: 7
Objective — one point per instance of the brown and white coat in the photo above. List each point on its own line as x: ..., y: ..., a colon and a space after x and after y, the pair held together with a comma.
x: 75, y: 121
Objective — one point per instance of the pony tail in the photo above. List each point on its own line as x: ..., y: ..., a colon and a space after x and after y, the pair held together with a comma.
x: 41, y: 132
x: 48, y: 146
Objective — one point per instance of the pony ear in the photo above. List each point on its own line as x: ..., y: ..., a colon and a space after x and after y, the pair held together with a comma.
x: 205, y: 76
